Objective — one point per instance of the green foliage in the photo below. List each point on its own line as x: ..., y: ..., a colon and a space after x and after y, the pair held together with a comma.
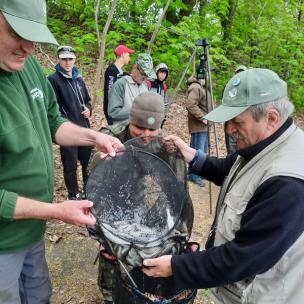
x: 47, y: 71
x: 261, y: 34
x: 204, y: 293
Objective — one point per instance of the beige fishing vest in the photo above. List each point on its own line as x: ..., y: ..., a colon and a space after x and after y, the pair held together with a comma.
x: 284, y: 282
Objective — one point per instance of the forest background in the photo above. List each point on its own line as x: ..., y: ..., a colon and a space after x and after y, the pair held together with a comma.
x: 256, y: 33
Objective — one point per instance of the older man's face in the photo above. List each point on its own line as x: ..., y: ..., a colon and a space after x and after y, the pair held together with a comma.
x: 14, y: 50
x: 248, y: 131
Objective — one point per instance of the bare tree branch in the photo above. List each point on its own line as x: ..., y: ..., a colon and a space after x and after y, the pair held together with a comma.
x: 38, y: 45
x: 97, y: 9
x: 100, y: 65
x: 161, y: 17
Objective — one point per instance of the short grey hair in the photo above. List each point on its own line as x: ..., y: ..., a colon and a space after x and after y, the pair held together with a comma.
x: 282, y: 105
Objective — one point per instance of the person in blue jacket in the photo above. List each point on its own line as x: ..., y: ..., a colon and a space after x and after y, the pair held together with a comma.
x: 74, y: 104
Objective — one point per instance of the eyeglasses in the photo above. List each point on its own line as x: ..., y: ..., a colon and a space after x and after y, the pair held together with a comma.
x: 65, y: 48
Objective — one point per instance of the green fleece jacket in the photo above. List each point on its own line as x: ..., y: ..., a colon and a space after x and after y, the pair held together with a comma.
x: 29, y: 119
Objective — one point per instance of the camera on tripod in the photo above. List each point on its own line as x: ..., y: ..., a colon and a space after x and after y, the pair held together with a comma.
x: 202, y: 42
x: 201, y: 69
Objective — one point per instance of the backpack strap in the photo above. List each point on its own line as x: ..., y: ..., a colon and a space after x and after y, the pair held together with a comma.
x: 149, y: 84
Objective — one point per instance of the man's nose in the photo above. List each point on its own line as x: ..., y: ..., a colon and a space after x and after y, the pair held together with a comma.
x: 28, y: 46
x: 229, y: 127
x: 146, y: 132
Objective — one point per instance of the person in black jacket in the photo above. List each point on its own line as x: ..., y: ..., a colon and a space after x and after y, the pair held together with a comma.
x: 114, y: 71
x: 253, y: 253
x: 74, y: 104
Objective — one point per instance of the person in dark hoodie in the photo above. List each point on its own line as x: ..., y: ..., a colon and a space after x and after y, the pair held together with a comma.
x: 158, y: 85
x: 74, y: 104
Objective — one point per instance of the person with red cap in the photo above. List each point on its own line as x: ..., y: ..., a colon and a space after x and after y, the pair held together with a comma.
x: 113, y: 72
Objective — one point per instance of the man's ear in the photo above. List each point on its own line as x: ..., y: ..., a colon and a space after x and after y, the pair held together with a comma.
x: 273, y: 119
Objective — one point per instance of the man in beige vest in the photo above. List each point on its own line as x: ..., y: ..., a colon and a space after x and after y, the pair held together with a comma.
x: 254, y: 253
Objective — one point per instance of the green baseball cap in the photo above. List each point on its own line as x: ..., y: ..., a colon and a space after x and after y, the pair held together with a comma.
x: 28, y: 19
x: 251, y: 87
x: 146, y: 63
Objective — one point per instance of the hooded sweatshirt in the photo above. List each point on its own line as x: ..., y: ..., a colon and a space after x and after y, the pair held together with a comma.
x: 71, y: 94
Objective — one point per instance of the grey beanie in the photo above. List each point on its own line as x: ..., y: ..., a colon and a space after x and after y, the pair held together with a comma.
x: 147, y: 111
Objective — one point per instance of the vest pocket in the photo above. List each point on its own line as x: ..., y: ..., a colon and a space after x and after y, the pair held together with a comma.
x: 230, y: 216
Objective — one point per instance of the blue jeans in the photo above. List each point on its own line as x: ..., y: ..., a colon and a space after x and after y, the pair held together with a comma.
x: 24, y: 276
x: 200, y: 141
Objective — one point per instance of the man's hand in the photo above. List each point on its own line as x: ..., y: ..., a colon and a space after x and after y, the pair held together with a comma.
x: 187, y: 152
x: 75, y: 212
x: 69, y: 134
x: 108, y: 145
x: 72, y: 212
x: 159, y: 267
x: 86, y: 112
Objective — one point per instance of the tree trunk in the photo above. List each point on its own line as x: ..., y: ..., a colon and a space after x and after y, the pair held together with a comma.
x: 97, y: 9
x: 299, y: 20
x: 227, y: 20
x: 175, y: 15
x: 160, y: 19
x: 100, y: 66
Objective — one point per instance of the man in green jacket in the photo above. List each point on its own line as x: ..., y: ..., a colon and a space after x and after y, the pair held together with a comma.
x: 29, y: 122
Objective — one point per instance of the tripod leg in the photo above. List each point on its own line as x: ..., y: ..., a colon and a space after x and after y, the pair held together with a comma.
x: 183, y: 76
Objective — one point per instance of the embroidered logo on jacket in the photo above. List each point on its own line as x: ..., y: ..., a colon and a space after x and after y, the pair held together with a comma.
x: 37, y: 94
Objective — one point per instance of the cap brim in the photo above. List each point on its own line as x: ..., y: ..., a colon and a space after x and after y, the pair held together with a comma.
x: 30, y: 30
x: 224, y: 113
x: 70, y: 55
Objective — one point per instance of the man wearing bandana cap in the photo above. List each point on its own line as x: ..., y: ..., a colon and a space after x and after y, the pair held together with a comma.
x: 128, y: 87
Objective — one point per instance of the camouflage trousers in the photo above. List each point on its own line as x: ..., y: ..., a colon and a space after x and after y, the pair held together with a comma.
x: 106, y: 278
x: 111, y: 276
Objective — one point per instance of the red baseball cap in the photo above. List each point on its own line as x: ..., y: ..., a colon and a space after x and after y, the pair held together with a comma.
x: 123, y: 49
